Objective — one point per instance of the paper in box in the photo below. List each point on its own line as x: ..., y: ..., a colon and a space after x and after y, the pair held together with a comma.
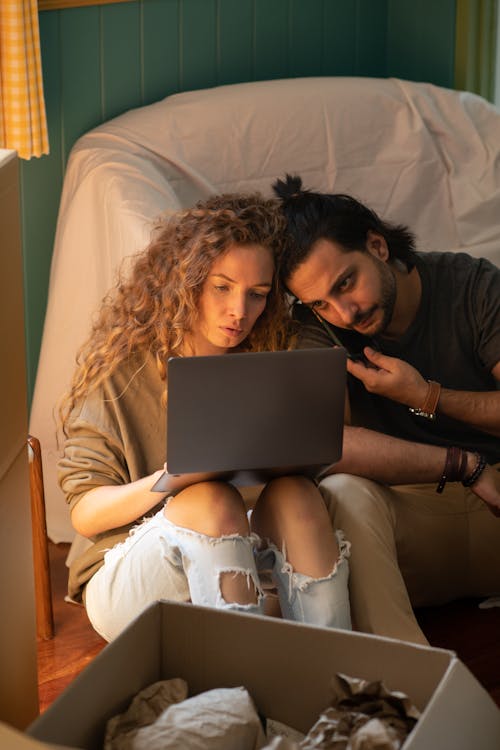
x: 287, y: 668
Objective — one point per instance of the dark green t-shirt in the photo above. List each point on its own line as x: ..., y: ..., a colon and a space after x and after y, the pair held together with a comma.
x: 454, y: 339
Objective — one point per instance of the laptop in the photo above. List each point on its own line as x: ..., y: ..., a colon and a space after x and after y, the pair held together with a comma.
x: 249, y: 417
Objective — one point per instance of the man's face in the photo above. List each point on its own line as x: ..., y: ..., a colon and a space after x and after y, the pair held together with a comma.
x: 354, y: 289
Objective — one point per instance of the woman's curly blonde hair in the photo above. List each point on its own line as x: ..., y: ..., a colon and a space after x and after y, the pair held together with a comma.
x: 154, y: 307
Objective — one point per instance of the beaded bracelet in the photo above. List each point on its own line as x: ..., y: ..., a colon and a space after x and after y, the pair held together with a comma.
x: 476, y: 473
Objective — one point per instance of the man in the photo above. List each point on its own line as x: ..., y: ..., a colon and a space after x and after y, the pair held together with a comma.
x: 422, y: 331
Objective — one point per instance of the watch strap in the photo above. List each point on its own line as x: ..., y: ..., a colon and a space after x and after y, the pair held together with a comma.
x: 429, y: 407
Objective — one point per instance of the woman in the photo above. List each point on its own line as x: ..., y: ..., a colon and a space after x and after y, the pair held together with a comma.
x: 205, y: 285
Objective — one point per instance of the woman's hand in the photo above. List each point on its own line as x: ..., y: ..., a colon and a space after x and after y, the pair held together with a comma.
x: 391, y: 377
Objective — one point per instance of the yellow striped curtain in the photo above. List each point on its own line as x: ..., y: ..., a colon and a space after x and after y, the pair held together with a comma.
x: 23, y: 124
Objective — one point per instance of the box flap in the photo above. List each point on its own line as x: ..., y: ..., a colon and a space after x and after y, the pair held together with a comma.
x: 12, y: 739
x: 461, y: 715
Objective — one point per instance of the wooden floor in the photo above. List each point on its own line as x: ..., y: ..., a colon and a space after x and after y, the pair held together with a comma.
x: 473, y: 633
x: 75, y: 642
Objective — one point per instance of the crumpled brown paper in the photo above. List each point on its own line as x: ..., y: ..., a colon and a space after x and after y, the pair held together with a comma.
x: 282, y: 743
x: 364, y: 716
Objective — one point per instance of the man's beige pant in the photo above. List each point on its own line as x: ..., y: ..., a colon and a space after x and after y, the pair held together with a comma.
x: 411, y: 546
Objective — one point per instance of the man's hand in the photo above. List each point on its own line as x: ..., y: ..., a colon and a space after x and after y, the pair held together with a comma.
x: 391, y: 377
x: 487, y: 487
x: 399, y: 381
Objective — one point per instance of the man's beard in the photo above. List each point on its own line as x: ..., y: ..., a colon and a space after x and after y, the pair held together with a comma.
x: 388, y: 292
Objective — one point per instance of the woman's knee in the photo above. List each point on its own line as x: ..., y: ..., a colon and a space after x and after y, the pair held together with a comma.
x: 292, y: 515
x: 289, y: 485
x: 211, y: 508
x: 292, y: 497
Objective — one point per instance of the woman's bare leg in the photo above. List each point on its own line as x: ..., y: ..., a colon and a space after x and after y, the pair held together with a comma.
x: 292, y: 514
x: 216, y: 510
x: 309, y: 567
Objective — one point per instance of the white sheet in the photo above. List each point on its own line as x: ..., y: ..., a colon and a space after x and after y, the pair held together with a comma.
x: 418, y: 154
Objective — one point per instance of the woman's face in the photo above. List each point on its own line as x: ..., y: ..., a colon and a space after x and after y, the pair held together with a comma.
x: 233, y: 296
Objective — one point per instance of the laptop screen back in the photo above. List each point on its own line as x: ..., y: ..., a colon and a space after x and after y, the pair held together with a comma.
x: 279, y: 412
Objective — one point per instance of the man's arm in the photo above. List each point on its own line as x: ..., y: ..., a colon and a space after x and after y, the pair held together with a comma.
x: 392, y: 461
x: 399, y: 381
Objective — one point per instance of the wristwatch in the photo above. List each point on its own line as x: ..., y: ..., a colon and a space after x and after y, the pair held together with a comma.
x: 428, y: 410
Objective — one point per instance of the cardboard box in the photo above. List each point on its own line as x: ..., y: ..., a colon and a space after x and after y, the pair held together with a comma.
x: 286, y: 667
x: 13, y: 739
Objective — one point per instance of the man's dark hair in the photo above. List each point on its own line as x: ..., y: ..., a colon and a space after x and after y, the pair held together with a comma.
x: 340, y: 218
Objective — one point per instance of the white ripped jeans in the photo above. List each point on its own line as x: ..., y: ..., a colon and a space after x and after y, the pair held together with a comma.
x: 160, y: 560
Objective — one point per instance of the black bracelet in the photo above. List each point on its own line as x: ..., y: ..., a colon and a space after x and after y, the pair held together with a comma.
x: 480, y: 466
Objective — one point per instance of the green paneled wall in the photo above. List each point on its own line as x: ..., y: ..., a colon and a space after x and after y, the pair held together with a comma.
x: 99, y: 61
x: 421, y: 40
